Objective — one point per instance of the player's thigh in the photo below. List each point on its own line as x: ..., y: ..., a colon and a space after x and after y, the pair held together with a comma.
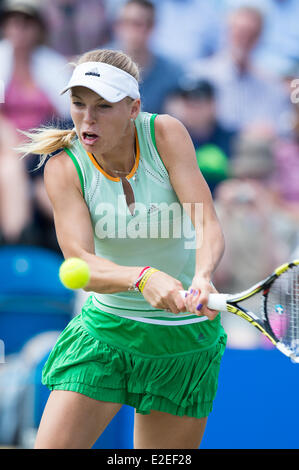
x: 72, y: 420
x: 160, y: 430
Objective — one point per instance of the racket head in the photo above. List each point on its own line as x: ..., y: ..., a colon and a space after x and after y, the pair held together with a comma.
x: 280, y: 307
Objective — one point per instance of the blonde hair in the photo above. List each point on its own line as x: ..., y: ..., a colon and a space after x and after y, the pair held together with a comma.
x: 47, y: 139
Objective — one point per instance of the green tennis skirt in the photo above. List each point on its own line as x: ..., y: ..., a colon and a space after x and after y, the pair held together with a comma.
x: 129, y: 362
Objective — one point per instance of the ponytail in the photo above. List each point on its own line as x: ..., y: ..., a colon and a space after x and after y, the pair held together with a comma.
x: 45, y: 141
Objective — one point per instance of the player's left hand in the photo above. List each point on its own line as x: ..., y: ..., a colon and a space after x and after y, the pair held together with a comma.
x: 197, y: 297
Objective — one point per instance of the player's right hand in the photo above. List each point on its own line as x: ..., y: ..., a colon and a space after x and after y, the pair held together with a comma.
x: 163, y: 292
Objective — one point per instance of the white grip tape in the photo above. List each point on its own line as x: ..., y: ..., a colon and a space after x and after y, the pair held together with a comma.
x: 215, y: 302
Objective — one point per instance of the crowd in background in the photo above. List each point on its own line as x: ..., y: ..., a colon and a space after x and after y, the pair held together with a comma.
x: 225, y: 68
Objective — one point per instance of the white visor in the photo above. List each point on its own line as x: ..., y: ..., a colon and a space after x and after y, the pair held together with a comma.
x: 111, y: 83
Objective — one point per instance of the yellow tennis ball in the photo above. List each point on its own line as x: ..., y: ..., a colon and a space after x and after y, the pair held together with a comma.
x: 74, y: 273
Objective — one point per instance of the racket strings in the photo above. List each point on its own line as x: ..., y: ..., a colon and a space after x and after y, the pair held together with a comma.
x: 283, y: 308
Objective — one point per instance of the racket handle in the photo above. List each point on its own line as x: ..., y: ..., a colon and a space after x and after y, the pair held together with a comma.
x: 215, y: 302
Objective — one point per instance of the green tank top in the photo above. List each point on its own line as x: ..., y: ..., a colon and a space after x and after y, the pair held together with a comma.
x: 159, y: 233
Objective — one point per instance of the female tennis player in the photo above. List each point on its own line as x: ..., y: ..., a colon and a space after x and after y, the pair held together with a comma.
x: 123, y: 189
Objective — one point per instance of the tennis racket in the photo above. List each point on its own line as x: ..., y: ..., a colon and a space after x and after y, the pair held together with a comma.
x: 279, y: 309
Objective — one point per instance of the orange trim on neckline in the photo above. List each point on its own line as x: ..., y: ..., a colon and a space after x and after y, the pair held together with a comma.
x: 113, y: 178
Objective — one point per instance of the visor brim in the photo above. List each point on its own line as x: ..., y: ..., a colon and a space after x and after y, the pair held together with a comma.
x: 106, y: 92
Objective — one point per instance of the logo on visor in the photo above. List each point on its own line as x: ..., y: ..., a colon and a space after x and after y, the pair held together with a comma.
x: 93, y: 72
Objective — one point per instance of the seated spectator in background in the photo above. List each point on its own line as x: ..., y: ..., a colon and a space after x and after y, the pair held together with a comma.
x: 246, y: 95
x: 159, y: 76
x: 194, y: 104
x: 280, y: 37
x: 285, y: 177
x: 259, y: 234
x: 76, y: 26
x: 15, y: 205
x: 286, y: 150
x: 187, y: 29
x: 33, y: 74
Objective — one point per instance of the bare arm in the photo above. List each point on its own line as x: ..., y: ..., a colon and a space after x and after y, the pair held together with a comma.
x: 74, y: 229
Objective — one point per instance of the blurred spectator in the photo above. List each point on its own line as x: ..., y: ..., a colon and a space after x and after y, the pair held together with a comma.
x: 286, y: 150
x: 76, y: 26
x: 33, y: 76
x: 194, y: 104
x: 15, y: 207
x: 246, y: 96
x: 33, y: 73
x: 159, y: 76
x: 187, y: 29
x: 260, y: 235
x: 280, y: 38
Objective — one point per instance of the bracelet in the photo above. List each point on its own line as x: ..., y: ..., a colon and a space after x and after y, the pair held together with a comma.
x: 135, y: 286
x: 145, y: 278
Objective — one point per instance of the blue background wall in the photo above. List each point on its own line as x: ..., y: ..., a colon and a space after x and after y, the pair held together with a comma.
x: 257, y: 402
